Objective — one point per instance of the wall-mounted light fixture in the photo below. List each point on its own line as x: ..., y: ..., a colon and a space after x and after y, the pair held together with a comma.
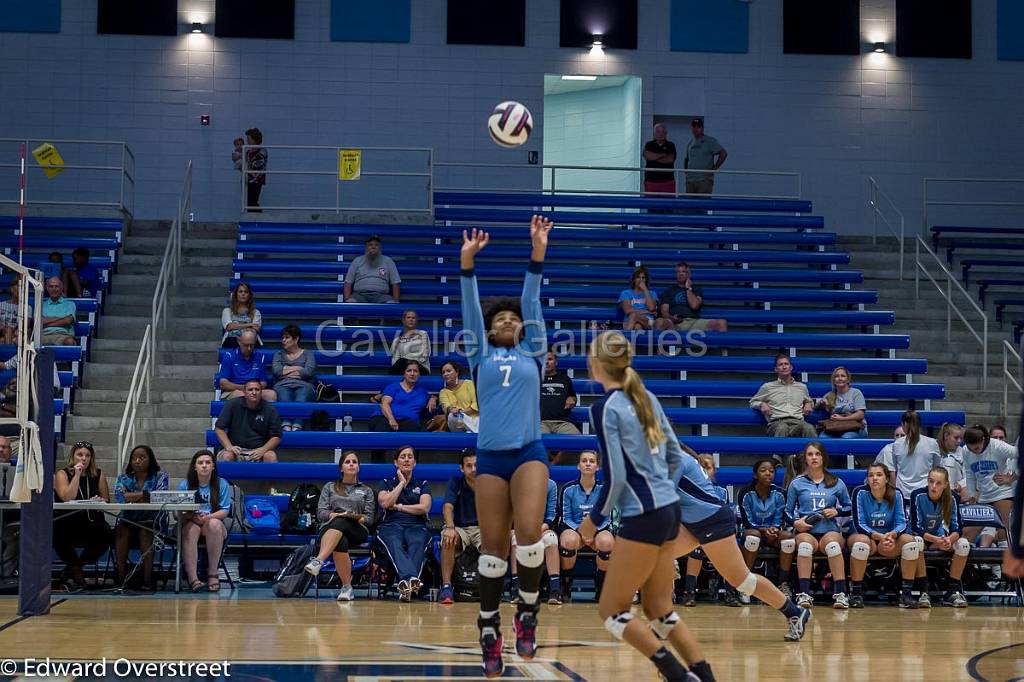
x: 878, y: 47
x: 197, y: 27
x: 597, y: 47
x: 579, y: 78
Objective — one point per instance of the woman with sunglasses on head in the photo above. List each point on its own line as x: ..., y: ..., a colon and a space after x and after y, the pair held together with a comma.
x: 506, y: 347
x: 80, y: 479
x: 141, y: 475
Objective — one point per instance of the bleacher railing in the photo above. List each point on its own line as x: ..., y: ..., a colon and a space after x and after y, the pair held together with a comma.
x: 145, y: 363
x: 948, y: 290
x: 1000, y: 196
x: 469, y: 176
x: 393, y: 179
x: 96, y: 173
x: 1010, y: 375
x: 880, y: 205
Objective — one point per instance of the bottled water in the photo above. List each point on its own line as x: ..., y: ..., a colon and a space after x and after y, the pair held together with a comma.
x: 348, y: 423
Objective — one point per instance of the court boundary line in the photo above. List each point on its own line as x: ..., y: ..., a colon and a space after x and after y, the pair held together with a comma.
x: 972, y: 663
x: 19, y: 619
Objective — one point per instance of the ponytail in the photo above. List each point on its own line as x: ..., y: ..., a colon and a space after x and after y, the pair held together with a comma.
x: 912, y: 426
x: 633, y: 387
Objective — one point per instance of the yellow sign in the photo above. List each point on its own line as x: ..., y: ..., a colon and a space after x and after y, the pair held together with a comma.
x: 48, y: 157
x: 349, y: 161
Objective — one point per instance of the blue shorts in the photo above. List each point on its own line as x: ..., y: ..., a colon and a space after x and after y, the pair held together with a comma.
x: 652, y: 528
x: 721, y: 524
x: 503, y: 463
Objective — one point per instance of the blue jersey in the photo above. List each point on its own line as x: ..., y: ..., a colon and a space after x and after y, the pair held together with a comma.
x: 721, y: 492
x: 640, y: 478
x: 877, y: 516
x: 551, y: 506
x: 758, y: 513
x: 699, y: 497
x: 926, y: 515
x: 806, y: 497
x: 507, y: 379
x: 577, y: 503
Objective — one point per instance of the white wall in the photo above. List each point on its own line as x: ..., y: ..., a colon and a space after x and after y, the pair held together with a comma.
x: 834, y: 119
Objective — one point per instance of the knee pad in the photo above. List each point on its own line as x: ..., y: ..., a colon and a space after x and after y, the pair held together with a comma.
x: 664, y: 625
x: 787, y: 546
x: 549, y: 539
x: 962, y: 547
x: 530, y: 556
x: 751, y: 543
x: 988, y: 531
x: 604, y: 556
x: 566, y: 552
x: 491, y: 566
x: 748, y: 585
x: 805, y: 549
x: 833, y: 549
x: 617, y: 624
x: 342, y: 545
x: 860, y: 550
x: 910, y: 551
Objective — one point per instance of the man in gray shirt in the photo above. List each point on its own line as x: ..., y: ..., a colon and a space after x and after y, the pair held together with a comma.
x: 249, y: 429
x: 784, y: 403
x: 372, y: 277
x: 703, y: 152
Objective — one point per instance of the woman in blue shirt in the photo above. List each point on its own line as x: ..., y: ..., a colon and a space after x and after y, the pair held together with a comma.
x: 402, y: 403
x: 642, y: 458
x: 639, y: 305
x: 935, y: 518
x: 813, y: 502
x: 506, y: 348
x: 403, y: 530
x: 762, y: 508
x: 577, y: 501
x: 880, y: 526
x: 209, y: 522
x: 141, y: 475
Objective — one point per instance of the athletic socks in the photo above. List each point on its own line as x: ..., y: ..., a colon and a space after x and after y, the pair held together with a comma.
x: 554, y: 584
x: 790, y: 610
x: 668, y: 665
x: 598, y: 584
x: 805, y: 585
x: 690, y: 585
x: 490, y: 594
x: 906, y: 587
x: 921, y: 584
x: 839, y: 586
x: 529, y: 583
x: 702, y: 669
x: 955, y: 586
x: 856, y: 586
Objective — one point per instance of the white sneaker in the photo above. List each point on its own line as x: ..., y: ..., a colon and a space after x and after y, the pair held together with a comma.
x: 804, y: 600
x: 840, y: 601
x: 744, y: 598
x: 404, y: 593
x: 314, y: 566
x: 415, y: 585
x: 345, y: 594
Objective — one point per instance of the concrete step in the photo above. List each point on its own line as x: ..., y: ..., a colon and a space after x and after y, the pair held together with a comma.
x: 107, y: 439
x: 130, y: 346
x: 191, y: 244
x: 158, y: 395
x: 146, y: 424
x: 173, y: 460
x: 118, y: 327
x: 122, y: 382
x: 166, y: 358
x: 163, y: 373
x: 145, y: 410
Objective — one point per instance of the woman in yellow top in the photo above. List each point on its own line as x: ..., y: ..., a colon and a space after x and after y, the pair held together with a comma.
x: 458, y: 398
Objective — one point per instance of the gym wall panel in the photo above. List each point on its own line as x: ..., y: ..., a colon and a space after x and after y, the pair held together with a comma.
x: 30, y: 16
x: 933, y: 28
x: 1010, y: 30
x: 816, y: 27
x: 471, y: 22
x: 370, y: 21
x: 710, y: 26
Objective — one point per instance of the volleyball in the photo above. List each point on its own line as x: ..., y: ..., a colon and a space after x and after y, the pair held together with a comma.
x: 510, y: 124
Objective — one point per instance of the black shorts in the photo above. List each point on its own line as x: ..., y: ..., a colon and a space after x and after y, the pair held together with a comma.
x: 721, y: 524
x: 354, y: 532
x: 652, y: 528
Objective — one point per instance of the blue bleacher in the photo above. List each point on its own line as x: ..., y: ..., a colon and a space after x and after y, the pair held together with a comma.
x: 967, y: 263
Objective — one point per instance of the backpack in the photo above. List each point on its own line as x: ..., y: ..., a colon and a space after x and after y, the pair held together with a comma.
x: 292, y: 580
x: 325, y: 393
x: 465, y: 575
x: 302, y: 504
x: 262, y: 515
x: 237, y: 504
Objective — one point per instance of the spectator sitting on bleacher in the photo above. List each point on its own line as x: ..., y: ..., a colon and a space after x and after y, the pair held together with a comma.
x: 81, y: 280
x: 951, y: 456
x: 240, y: 366
x: 401, y: 404
x: 80, y: 479
x: 372, y: 277
x: 461, y: 527
x: 412, y: 344
x: 557, y: 398
x: 403, y: 531
x: 59, y: 316
x: 681, y: 303
x: 240, y: 315
x: 935, y: 518
x: 639, y: 305
x: 214, y: 495
x: 880, y: 528
x: 845, y: 407
x: 577, y: 500
x: 53, y: 266
x: 909, y: 459
x: 5, y: 453
x: 293, y: 369
x: 345, y: 512
x: 458, y: 398
x: 762, y: 506
x: 141, y: 475
x: 784, y: 403
x: 249, y: 429
x: 9, y: 313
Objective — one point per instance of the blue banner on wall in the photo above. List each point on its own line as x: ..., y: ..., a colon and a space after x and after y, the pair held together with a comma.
x: 370, y: 21
x: 30, y: 16
x: 1010, y: 30
x: 710, y: 26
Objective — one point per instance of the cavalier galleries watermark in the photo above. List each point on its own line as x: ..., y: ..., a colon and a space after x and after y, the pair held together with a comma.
x: 47, y: 668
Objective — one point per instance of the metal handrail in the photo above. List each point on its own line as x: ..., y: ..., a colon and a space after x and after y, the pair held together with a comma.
x: 126, y: 174
x: 874, y: 194
x: 951, y: 307
x: 145, y: 363
x: 29, y: 281
x: 1010, y: 377
x: 926, y: 202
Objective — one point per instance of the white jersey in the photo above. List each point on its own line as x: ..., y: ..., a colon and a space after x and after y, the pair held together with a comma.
x: 953, y: 463
x: 911, y: 468
x: 998, y: 457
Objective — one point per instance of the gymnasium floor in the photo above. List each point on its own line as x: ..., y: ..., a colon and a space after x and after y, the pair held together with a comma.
x: 274, y: 639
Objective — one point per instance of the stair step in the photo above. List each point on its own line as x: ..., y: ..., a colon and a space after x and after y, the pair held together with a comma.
x: 155, y: 410
x: 167, y: 385
x: 158, y: 397
x: 192, y: 425
x: 164, y: 373
x: 107, y: 439
x: 131, y: 345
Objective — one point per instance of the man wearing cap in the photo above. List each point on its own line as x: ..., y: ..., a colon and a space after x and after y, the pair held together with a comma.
x: 703, y: 152
x: 372, y: 277
x: 659, y: 159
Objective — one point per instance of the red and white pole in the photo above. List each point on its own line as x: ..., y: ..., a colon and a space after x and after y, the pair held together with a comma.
x: 21, y: 209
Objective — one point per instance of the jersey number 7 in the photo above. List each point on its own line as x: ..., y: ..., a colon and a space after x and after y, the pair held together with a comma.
x: 507, y: 371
